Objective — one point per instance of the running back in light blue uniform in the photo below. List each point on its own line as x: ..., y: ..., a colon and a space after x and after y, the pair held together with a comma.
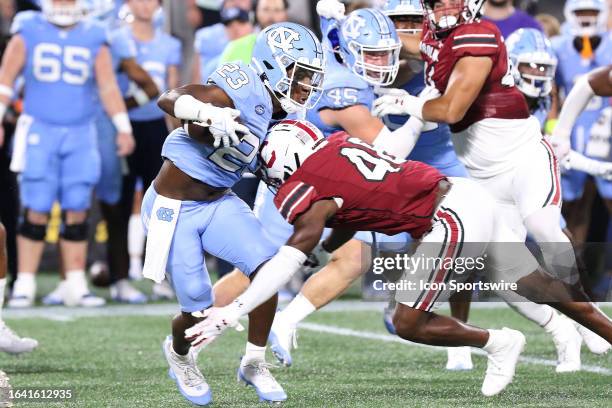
x: 571, y: 67
x: 227, y: 228
x: 108, y: 188
x: 61, y: 158
x: 155, y: 57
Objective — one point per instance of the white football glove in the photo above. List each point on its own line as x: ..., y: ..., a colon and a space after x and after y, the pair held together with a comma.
x: 579, y: 162
x: 561, y: 146
x: 399, y: 102
x: 331, y: 9
x: 217, y: 320
x: 317, y: 259
x: 225, y: 129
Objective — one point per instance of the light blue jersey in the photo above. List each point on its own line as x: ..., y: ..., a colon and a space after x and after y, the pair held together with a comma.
x: 155, y: 57
x: 208, y: 45
x: 341, y: 89
x: 590, y: 122
x: 223, y: 167
x: 60, y: 87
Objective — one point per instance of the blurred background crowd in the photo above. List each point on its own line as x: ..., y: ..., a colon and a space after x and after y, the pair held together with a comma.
x: 203, y: 34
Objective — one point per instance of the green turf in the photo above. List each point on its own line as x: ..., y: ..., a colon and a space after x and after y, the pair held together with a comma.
x: 117, y: 362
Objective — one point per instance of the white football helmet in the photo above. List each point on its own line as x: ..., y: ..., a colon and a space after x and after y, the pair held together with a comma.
x: 64, y: 13
x: 586, y: 25
x: 288, y: 144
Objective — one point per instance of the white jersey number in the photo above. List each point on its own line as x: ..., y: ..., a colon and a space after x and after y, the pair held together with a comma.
x: 231, y: 159
x: 237, y: 78
x: 69, y: 64
x: 371, y: 167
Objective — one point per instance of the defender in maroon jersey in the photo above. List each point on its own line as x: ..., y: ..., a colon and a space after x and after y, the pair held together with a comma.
x: 348, y: 184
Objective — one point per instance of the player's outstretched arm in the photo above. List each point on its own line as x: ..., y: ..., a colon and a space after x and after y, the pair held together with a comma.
x: 274, y: 274
x: 147, y: 89
x: 209, y: 108
x: 12, y: 63
x: 601, y: 81
x: 113, y: 101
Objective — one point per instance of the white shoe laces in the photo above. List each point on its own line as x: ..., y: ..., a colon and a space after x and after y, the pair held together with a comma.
x: 262, y: 369
x: 192, y: 375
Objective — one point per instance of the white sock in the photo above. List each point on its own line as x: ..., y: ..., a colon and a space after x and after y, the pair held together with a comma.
x: 539, y: 314
x: 76, y: 279
x: 495, y: 336
x: 298, y: 310
x: 25, y: 284
x: 2, y: 289
x: 553, y: 324
x: 253, y: 353
x: 136, y: 236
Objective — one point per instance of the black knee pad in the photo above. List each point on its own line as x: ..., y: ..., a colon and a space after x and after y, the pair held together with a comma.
x: 74, y: 232
x: 34, y: 232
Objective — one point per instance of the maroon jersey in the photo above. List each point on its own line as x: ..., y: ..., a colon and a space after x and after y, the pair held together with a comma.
x: 499, y: 98
x: 375, y: 192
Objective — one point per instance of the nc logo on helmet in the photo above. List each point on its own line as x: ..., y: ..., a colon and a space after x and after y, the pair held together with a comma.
x: 282, y: 38
x: 351, y: 28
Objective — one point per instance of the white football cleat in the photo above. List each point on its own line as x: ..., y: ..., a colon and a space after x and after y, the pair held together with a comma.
x: 459, y: 359
x: 595, y: 343
x: 257, y: 374
x: 502, y: 361
x: 122, y: 291
x: 187, y: 376
x: 57, y: 296
x: 282, y: 338
x: 567, y: 342
x: 24, y: 292
x: 11, y: 343
x: 163, y: 291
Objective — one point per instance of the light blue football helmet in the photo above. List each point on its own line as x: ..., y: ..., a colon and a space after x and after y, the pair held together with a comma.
x: 533, y: 62
x: 586, y: 25
x: 64, y: 14
x: 370, y: 47
x: 404, y: 8
x: 284, y: 56
x: 102, y: 10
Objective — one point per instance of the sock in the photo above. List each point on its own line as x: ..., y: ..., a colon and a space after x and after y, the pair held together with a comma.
x: 553, y: 324
x: 539, y: 314
x: 25, y: 284
x: 136, y: 236
x: 253, y: 353
x: 76, y: 279
x: 2, y: 288
x: 298, y: 310
x: 495, y: 336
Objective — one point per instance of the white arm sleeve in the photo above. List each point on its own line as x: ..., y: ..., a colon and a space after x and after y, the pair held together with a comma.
x: 186, y: 107
x: 273, y: 275
x: 574, y: 104
x: 400, y: 142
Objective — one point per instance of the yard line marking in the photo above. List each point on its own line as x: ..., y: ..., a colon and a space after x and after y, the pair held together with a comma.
x: 323, y: 328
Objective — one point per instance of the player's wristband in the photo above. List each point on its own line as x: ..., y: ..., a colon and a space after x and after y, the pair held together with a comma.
x: 186, y: 107
x: 122, y: 122
x: 141, y: 97
x: 3, y: 108
x: 550, y: 125
x: 6, y: 91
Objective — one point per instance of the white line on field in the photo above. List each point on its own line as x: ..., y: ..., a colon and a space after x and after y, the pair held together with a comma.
x: 323, y: 328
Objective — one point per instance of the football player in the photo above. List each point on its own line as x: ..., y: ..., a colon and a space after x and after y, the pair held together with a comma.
x: 585, y: 46
x: 190, y: 210
x: 495, y: 136
x: 64, y: 61
x: 10, y: 342
x: 349, y: 185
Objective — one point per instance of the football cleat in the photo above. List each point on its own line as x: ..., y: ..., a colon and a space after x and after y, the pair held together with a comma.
x: 11, y: 343
x: 162, y: 291
x: 567, y: 342
x: 282, y: 338
x: 502, y: 362
x: 595, y: 343
x: 187, y: 376
x: 459, y: 359
x: 257, y: 374
x: 56, y: 297
x: 122, y: 291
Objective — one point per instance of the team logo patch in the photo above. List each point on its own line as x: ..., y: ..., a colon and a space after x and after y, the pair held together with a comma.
x: 259, y: 109
x: 282, y: 38
x: 165, y: 214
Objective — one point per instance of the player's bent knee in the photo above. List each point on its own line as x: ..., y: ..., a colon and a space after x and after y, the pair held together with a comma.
x: 33, y: 225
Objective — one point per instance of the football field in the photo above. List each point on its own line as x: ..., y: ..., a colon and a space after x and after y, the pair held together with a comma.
x: 112, y: 357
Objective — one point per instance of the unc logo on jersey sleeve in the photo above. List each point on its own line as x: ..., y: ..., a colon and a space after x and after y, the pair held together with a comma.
x: 282, y: 38
x: 353, y: 26
x: 260, y: 110
x: 165, y: 214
